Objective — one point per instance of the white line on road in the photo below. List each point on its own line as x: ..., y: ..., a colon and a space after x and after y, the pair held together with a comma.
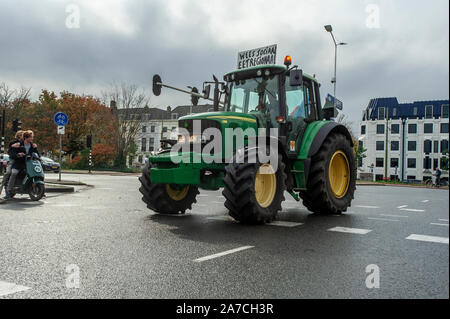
x: 425, y: 201
x: 372, y: 207
x: 398, y: 216
x: 202, y: 195
x: 432, y: 239
x: 413, y: 210
x: 223, y: 253
x: 200, y: 205
x: 385, y: 219
x: 216, y: 202
x: 284, y: 223
x: 403, y: 206
x: 360, y: 231
x: 7, y: 288
x: 439, y: 224
x: 443, y: 220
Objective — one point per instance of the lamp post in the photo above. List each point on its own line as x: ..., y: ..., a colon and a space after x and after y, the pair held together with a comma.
x: 329, y: 28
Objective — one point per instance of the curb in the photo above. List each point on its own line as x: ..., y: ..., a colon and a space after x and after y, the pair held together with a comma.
x: 59, y: 189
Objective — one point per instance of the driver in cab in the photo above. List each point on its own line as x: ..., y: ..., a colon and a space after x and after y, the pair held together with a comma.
x: 19, y: 156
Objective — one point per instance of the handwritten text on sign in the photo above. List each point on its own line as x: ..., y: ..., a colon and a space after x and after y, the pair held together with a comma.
x: 261, y: 56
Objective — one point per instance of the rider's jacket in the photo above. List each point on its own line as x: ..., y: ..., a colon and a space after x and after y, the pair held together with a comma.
x: 19, y: 162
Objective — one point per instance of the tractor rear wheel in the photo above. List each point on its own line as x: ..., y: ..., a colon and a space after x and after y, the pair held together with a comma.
x: 254, y: 191
x: 166, y: 198
x: 332, y: 178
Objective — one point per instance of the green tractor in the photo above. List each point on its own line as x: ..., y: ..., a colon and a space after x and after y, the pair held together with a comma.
x: 314, y: 155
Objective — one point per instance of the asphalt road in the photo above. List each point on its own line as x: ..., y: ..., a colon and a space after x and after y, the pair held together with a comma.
x: 102, y: 242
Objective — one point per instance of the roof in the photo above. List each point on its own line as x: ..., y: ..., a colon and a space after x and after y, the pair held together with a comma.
x: 396, y: 110
x: 249, y: 72
x: 154, y: 113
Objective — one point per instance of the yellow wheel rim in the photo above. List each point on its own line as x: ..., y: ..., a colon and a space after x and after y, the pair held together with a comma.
x: 265, y: 185
x: 177, y: 194
x: 339, y: 174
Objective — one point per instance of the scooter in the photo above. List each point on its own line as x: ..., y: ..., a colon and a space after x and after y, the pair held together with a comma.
x: 29, y: 181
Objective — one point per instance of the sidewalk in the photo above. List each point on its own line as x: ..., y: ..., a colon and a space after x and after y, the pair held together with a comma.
x: 367, y: 183
x: 111, y: 173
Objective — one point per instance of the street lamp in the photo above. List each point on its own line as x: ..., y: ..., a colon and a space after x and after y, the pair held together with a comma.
x: 329, y: 28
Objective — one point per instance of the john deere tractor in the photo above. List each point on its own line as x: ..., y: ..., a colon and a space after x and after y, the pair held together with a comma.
x: 314, y: 156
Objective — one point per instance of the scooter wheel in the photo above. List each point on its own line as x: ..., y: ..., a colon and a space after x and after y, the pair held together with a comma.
x: 37, y: 191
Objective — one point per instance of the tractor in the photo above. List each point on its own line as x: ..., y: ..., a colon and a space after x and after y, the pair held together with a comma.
x: 314, y: 158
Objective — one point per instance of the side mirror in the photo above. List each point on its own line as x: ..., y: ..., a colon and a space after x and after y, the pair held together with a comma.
x: 206, y: 91
x: 194, y: 98
x: 296, y: 77
x: 157, y: 84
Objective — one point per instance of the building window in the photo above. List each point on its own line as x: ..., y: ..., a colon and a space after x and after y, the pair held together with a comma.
x: 140, y: 158
x: 164, y: 129
x: 381, y: 113
x: 427, y: 146
x: 435, y: 163
x: 394, y: 111
x: 379, y: 162
x: 151, y: 149
x: 412, y: 128
x: 380, y: 145
x: 412, y: 145
x: 152, y: 129
x: 427, y: 163
x: 395, y: 128
x: 444, y: 127
x: 411, y: 163
x: 395, y: 145
x: 174, y: 128
x: 411, y: 177
x: 394, y: 162
x: 444, y: 146
x: 444, y: 113
x: 443, y: 165
x: 428, y: 128
x: 363, y: 129
x: 415, y: 111
x: 144, y: 129
x: 174, y: 116
x: 428, y: 111
x: 144, y: 145
x: 436, y: 147
x: 380, y: 129
x: 152, y: 141
x: 379, y: 177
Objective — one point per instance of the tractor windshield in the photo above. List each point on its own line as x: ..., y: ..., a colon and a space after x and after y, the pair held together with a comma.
x: 255, y: 95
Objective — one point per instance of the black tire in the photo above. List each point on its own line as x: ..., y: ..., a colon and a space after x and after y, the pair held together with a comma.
x: 36, y: 192
x: 158, y: 199
x: 239, y: 192
x: 319, y: 197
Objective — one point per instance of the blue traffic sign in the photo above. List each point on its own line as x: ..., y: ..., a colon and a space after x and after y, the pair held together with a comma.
x: 330, y: 100
x: 61, y: 119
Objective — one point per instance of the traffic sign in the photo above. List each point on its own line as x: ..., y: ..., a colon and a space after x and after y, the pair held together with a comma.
x: 61, y: 129
x: 61, y: 119
x: 330, y: 101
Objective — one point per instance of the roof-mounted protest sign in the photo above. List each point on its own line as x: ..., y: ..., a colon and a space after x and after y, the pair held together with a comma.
x: 261, y: 56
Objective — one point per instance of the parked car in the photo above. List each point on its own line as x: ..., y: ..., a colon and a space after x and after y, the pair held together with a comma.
x: 50, y: 165
x: 4, y: 162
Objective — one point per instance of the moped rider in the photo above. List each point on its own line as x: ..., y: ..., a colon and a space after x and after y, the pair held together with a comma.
x: 15, y: 143
x: 19, y: 155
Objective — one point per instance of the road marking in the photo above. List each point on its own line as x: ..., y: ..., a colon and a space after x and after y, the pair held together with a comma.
x: 223, y: 253
x: 105, y: 188
x: 403, y: 206
x: 432, y: 239
x: 443, y: 220
x: 220, y: 197
x: 7, y: 288
x: 413, y: 210
x: 372, y: 207
x: 217, y: 202
x: 360, y: 231
x: 388, y: 215
x: 438, y: 224
x: 284, y: 223
x: 64, y: 205
x: 385, y: 219
x: 202, y: 195
x: 425, y: 201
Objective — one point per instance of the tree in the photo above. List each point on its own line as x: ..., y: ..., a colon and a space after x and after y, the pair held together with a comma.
x: 128, y: 112
x: 444, y: 160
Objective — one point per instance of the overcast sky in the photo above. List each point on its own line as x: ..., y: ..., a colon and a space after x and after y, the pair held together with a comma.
x: 404, y: 53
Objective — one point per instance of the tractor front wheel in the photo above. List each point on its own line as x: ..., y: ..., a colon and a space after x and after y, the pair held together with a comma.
x: 332, y: 178
x: 166, y: 198
x: 254, y: 191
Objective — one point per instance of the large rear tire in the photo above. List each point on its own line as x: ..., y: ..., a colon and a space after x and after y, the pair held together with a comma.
x: 332, y: 178
x: 251, y: 196
x: 166, y: 198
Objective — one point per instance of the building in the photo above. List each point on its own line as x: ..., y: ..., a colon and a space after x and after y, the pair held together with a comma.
x: 409, y: 140
x: 157, y: 124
